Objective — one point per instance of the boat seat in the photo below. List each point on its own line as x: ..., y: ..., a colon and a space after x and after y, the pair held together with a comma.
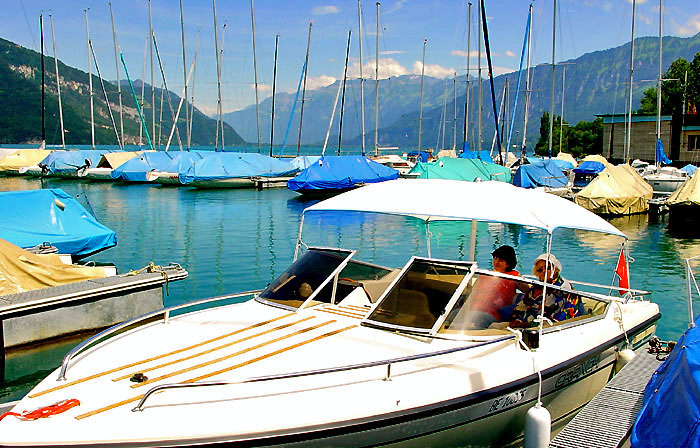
x: 375, y: 288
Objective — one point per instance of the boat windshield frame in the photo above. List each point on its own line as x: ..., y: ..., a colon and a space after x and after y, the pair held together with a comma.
x: 333, y: 276
x: 470, y: 267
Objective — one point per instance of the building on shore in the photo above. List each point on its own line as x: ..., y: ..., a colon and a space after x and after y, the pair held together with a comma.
x: 680, y: 137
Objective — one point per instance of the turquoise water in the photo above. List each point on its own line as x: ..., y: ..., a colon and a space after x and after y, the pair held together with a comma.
x: 237, y: 240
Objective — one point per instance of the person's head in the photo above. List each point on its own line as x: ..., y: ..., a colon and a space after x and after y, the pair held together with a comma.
x: 305, y: 290
x: 504, y: 259
x: 539, y: 267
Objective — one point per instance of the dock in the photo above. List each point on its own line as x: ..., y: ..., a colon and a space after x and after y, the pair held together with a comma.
x: 607, y: 420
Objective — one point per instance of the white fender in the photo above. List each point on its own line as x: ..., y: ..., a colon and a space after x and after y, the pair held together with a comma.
x: 623, y: 358
x: 538, y: 427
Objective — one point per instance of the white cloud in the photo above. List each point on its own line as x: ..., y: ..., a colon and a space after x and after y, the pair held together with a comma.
x: 208, y: 110
x: 691, y: 27
x: 389, y: 52
x: 262, y: 87
x: 510, y: 53
x: 463, y: 54
x: 395, y: 7
x: 498, y: 71
x: 388, y: 67
x: 641, y: 2
x: 323, y: 10
x: 433, y: 70
x: 313, y: 83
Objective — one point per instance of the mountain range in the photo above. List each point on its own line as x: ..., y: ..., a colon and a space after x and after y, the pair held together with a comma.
x: 595, y: 83
x: 20, y: 107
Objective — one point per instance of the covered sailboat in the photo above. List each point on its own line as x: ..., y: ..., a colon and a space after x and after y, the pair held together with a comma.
x: 19, y: 161
x: 460, y: 169
x: 684, y: 207
x: 34, y: 217
x: 69, y: 164
x: 587, y: 171
x: 143, y: 168
x: 335, y: 174
x: 544, y: 173
x: 618, y: 190
x: 236, y: 170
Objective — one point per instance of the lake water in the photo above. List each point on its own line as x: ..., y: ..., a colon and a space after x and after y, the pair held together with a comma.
x: 237, y: 240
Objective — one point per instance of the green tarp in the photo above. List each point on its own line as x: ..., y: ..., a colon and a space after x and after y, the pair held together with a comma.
x: 461, y: 169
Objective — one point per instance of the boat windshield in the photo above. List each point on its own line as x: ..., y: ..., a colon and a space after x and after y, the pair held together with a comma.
x: 305, y: 276
x: 420, y: 296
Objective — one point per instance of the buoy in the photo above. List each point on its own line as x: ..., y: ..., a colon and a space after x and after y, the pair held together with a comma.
x: 623, y: 358
x: 538, y: 427
x: 59, y: 204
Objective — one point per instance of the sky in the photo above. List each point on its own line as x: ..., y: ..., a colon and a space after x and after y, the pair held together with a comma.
x: 582, y: 26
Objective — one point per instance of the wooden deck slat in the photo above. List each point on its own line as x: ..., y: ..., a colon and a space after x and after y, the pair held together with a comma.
x: 341, y: 313
x: 157, y: 357
x: 259, y: 358
x: 229, y: 356
x: 211, y: 350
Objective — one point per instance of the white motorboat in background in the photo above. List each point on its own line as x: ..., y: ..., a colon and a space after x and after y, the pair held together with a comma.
x: 665, y: 180
x: 340, y: 352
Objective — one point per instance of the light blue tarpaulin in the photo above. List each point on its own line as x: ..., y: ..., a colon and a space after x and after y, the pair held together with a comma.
x: 543, y: 173
x: 71, y: 161
x: 135, y: 169
x: 483, y: 155
x: 690, y: 169
x: 340, y: 173
x: 660, y: 154
x: 182, y: 161
x: 30, y: 218
x: 229, y: 165
x: 670, y: 415
x: 303, y: 162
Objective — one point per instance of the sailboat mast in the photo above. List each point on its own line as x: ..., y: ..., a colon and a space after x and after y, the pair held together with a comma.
x: 443, y: 119
x: 92, y: 109
x: 420, y: 110
x: 43, y: 89
x: 376, y: 91
x: 551, y: 98
x: 218, y: 76
x: 527, y: 84
x: 143, y: 86
x: 221, y: 103
x: 561, y: 117
x: 194, y: 77
x: 303, y: 92
x: 490, y: 72
x: 116, y: 66
x: 255, y: 72
x: 342, y: 101
x: 58, y: 85
x: 658, y: 81
x: 454, y: 123
x: 362, y: 79
x: 166, y: 92
x: 184, y: 76
x: 466, y: 99
x: 104, y: 92
x: 479, y: 83
x: 274, y: 86
x: 629, y: 110
x: 153, y: 88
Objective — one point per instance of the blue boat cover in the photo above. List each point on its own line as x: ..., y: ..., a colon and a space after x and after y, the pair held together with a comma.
x: 543, y: 173
x: 589, y: 167
x: 340, y: 173
x: 421, y: 156
x: 483, y: 155
x: 29, y: 218
x: 303, y: 162
x: 67, y: 161
x: 660, y: 154
x: 229, y: 165
x: 135, y: 169
x: 563, y: 164
x: 183, y: 160
x: 690, y: 169
x: 670, y: 415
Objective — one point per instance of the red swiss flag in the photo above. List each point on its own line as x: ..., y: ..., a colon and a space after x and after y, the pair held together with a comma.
x: 622, y: 272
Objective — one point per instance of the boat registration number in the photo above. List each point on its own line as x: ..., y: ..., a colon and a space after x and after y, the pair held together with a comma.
x: 507, y: 401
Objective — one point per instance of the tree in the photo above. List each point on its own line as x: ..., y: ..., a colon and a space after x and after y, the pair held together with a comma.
x: 648, y: 102
x: 580, y: 140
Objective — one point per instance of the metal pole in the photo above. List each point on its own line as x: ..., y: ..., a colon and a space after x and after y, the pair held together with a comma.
x: 658, y: 82
x: 466, y: 99
x: 551, y: 99
x: 218, y: 76
x: 92, y: 108
x: 255, y: 74
x: 561, y: 118
x: 527, y: 85
x: 481, y: 93
x: 629, y: 111
x: 58, y: 85
x: 303, y: 92
x: 274, y: 87
x: 104, y: 92
x: 184, y: 77
x: 43, y: 90
x: 143, y: 86
x: 153, y: 88
x: 167, y: 94
x: 362, y: 79
x: 376, y: 91
x: 116, y: 66
x: 342, y: 101
x: 454, y: 122
x: 420, y: 111
x: 221, y: 103
x: 194, y: 76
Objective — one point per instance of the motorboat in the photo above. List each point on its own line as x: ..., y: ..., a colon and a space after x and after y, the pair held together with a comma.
x: 342, y: 352
x: 665, y: 180
x: 400, y: 164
